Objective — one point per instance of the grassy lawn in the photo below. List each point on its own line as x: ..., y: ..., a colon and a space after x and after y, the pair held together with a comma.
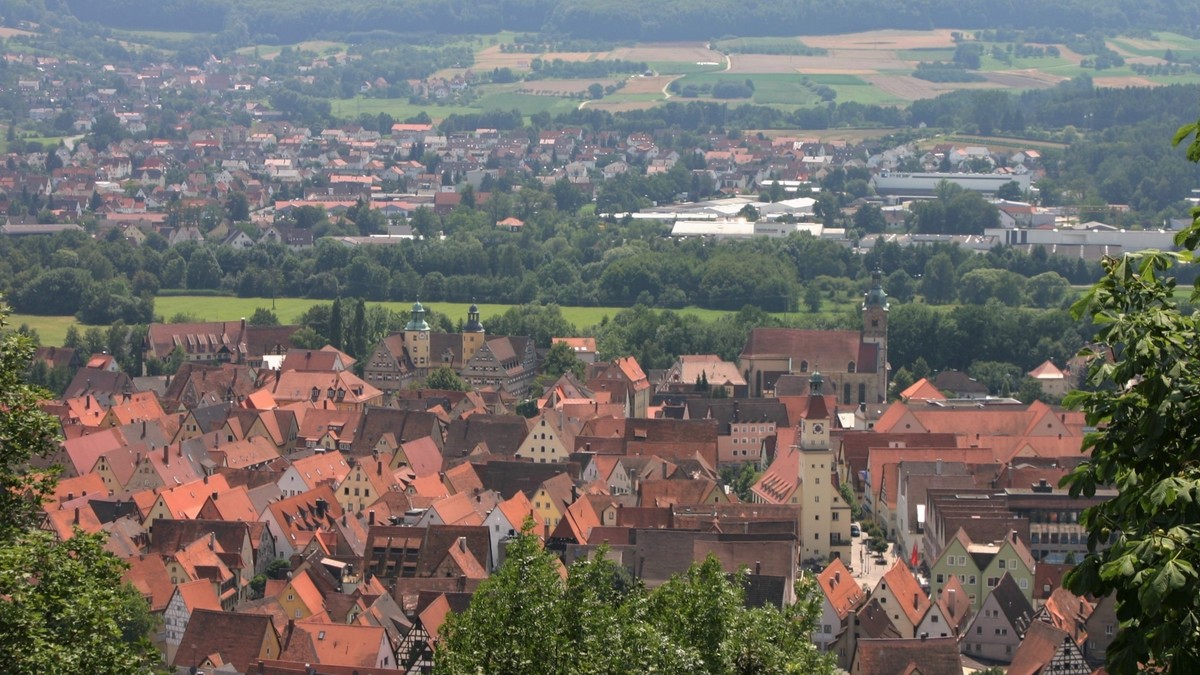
x: 1047, y: 63
x: 833, y: 79
x: 865, y: 93
x: 782, y: 88
x: 53, y: 329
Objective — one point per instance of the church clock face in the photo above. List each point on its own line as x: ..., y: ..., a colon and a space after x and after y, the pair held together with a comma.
x: 818, y: 428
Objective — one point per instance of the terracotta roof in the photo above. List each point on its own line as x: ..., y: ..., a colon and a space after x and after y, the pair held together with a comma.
x: 434, y: 615
x: 422, y: 454
x: 345, y: 645
x: 831, y: 350
x: 186, y: 500
x: 322, y: 468
x: 675, y: 492
x: 463, y: 478
x: 874, y: 622
x: 932, y: 656
x: 955, y: 605
x: 906, y: 591
x: 840, y: 588
x: 1041, y: 642
x: 248, y: 453
x: 922, y: 390
x: 149, y: 575
x: 85, y: 450
x: 1068, y: 612
x: 1047, y: 371
x: 87, y: 485
x: 238, y: 638
x: 516, y: 509
x: 199, y: 594
x: 297, y: 516
x: 306, y: 592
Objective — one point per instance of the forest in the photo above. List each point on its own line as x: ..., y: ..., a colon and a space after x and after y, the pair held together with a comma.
x: 295, y: 20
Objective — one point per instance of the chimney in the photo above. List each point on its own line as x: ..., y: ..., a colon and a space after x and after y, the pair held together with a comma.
x: 243, y: 324
x: 261, y: 667
x: 70, y: 496
x: 215, y: 495
x: 462, y: 583
x: 379, y: 468
x: 462, y: 544
x: 371, y: 517
x: 837, y: 578
x: 916, y: 601
x: 758, y: 567
x: 144, y: 429
x: 939, y: 467
x: 951, y: 603
x: 75, y: 520
x: 1013, y: 534
x: 211, y: 541
x: 166, y: 455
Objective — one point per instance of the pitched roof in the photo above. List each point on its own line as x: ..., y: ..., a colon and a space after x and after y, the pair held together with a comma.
x: 955, y: 605
x: 906, y: 591
x: 422, y: 454
x: 1012, y: 603
x: 840, y: 588
x: 922, y: 390
x: 1039, y: 645
x: 932, y: 656
x: 236, y: 637
x: 831, y: 350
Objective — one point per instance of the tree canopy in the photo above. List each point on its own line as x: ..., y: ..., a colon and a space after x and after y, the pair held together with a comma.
x: 63, y: 605
x: 527, y: 618
x: 1144, y: 543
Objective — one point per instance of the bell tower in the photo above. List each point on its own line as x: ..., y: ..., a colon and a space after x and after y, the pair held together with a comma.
x: 416, y: 337
x: 473, y: 334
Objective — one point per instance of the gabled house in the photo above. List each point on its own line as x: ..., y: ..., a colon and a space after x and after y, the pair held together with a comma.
x: 214, y: 639
x: 1046, y: 650
x: 901, y: 597
x: 1000, y: 624
x: 979, y: 567
x: 840, y: 596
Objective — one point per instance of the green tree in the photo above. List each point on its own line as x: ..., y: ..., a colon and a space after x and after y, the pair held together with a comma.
x: 263, y: 317
x: 939, y: 283
x: 1144, y: 543
x: 203, y: 270
x: 444, y: 377
x: 561, y: 359
x: 868, y: 219
x: 526, y: 619
x: 65, y: 608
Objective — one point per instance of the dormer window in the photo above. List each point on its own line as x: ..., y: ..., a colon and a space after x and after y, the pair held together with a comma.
x: 316, y: 394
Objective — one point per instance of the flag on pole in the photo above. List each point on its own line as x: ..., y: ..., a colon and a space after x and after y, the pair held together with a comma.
x: 913, y: 559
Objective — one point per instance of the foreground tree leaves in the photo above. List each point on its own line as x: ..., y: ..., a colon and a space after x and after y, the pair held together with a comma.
x: 1144, y: 401
x: 528, y: 619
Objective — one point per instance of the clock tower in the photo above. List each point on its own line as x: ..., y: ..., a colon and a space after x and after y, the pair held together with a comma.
x: 818, y: 491
x: 416, y: 338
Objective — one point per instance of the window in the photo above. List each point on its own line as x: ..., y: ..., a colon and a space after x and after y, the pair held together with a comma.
x: 297, y: 614
x: 979, y: 630
x: 972, y: 580
x: 939, y: 579
x: 1023, y: 583
x: 1001, y: 564
x: 827, y: 629
x: 933, y: 619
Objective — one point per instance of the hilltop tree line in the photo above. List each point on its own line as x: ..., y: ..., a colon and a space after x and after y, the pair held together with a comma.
x: 278, y: 21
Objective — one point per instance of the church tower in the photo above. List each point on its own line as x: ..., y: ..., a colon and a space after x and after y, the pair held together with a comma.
x: 875, y: 328
x: 473, y: 335
x: 416, y: 337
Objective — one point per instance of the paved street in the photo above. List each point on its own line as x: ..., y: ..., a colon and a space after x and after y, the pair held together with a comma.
x: 866, y: 570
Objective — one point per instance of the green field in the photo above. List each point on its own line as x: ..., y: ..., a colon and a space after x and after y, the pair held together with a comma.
x: 769, y: 88
x: 53, y: 329
x: 1050, y: 64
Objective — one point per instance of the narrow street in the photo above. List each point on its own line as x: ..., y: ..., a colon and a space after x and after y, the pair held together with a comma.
x: 867, y: 570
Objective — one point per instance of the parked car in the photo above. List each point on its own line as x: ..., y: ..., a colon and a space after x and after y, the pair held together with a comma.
x: 855, y: 530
